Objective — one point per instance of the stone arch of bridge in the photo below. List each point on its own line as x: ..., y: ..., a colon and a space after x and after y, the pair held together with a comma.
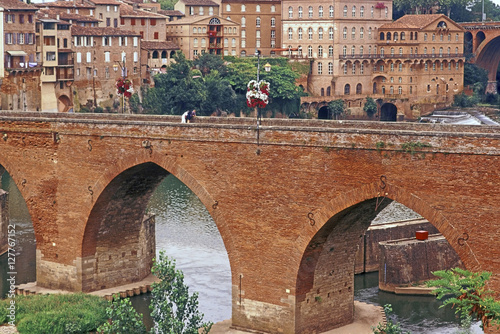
x: 325, y: 276
x: 122, y: 194
x: 488, y: 56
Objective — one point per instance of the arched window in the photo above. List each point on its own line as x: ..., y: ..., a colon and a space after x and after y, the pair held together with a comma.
x: 441, y: 37
x: 370, y: 33
x: 243, y: 8
x: 344, y: 33
x: 392, y: 67
x: 257, y: 8
x: 155, y: 54
x: 456, y: 52
x: 310, y: 51
x: 383, y: 89
x: 396, y: 37
x: 361, y: 50
x: 382, y: 52
x: 353, y: 50
x: 330, y: 51
x: 330, y: 33
x: 320, y: 33
x: 391, y: 90
x: 425, y: 51
x: 320, y: 51
x: 310, y: 11
x: 362, y: 11
x: 372, y: 10
x: 243, y: 21
x: 300, y: 33
x: 403, y: 36
x: 400, y: 51
x: 320, y: 11
x: 320, y: 68
x: 345, y: 11
x: 353, y: 33
x: 361, y: 32
x: 273, y: 22
x: 440, y: 52
x: 290, y: 12
x: 300, y: 12
x: 400, y: 90
x: 425, y: 37
x: 411, y: 36
x: 449, y: 51
x: 344, y: 50
x: 386, y: 12
x: 273, y: 8
x: 330, y: 11
x: 330, y: 68
x: 347, y: 89
x: 226, y: 42
x: 449, y: 37
x: 290, y: 33
x: 195, y: 42
x: 328, y: 90
x: 400, y: 67
x: 433, y: 50
x: 359, y: 89
x: 433, y: 36
x: 228, y: 8
x: 194, y: 30
x: 257, y: 21
x: 345, y: 69
x: 353, y: 11
x: 382, y: 36
x: 310, y: 33
x: 322, y: 92
x: 388, y: 36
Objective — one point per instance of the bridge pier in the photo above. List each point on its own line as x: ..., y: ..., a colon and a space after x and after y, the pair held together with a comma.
x: 491, y: 87
x: 4, y: 220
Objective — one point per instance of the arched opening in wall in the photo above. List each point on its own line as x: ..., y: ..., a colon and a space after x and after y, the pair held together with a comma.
x: 347, y: 244
x: 388, y: 112
x: 64, y: 104
x: 324, y: 113
x: 468, y: 46
x: 488, y: 58
x: 480, y: 37
x: 152, y: 210
x: 14, y: 212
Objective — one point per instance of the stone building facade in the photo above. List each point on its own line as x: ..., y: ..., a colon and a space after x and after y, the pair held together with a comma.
x: 260, y: 24
x: 101, y: 56
x: 20, y: 87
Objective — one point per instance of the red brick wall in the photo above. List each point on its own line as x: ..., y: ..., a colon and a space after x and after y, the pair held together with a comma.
x: 308, y: 190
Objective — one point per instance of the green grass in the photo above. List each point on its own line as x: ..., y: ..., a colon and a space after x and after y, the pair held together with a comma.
x: 58, y: 313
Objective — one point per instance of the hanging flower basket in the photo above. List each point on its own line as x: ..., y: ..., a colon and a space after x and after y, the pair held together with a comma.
x: 257, y: 94
x: 124, y: 87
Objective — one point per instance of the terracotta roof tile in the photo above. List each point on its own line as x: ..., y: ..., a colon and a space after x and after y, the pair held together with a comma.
x: 171, y: 12
x: 129, y: 11
x: 419, y: 21
x: 105, y: 2
x: 63, y: 15
x: 200, y: 3
x: 155, y: 45
x: 101, y: 31
x: 16, y: 5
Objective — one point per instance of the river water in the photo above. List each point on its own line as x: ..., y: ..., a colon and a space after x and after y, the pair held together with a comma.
x: 187, y: 233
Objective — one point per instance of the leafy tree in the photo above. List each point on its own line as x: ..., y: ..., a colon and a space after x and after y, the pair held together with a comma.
x: 167, y: 4
x: 337, y: 108
x: 474, y: 75
x: 389, y: 327
x: 219, y: 95
x: 207, y: 63
x: 123, y: 318
x: 468, y: 295
x: 176, y: 90
x: 173, y: 310
x: 134, y: 103
x: 370, y: 106
x: 239, y: 74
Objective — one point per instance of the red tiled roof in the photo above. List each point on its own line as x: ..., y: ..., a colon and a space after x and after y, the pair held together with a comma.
x: 419, y: 21
x: 200, y: 3
x: 155, y: 45
x: 65, y: 4
x: 16, y: 5
x: 63, y: 15
x: 101, y: 31
x: 129, y: 11
x: 171, y: 12
x: 105, y: 2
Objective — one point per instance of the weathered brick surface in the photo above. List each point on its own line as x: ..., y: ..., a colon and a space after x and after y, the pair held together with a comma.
x: 406, y: 261
x: 290, y: 217
x: 4, y: 219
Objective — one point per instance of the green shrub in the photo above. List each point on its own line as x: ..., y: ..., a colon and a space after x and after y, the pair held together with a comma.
x: 59, y: 313
x: 98, y: 110
x: 123, y: 319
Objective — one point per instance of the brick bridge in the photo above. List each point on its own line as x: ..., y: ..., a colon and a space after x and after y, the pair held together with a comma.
x: 482, y: 40
x: 290, y: 210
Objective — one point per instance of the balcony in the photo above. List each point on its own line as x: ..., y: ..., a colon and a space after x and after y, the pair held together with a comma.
x: 64, y: 75
x: 65, y: 62
x: 400, y: 56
